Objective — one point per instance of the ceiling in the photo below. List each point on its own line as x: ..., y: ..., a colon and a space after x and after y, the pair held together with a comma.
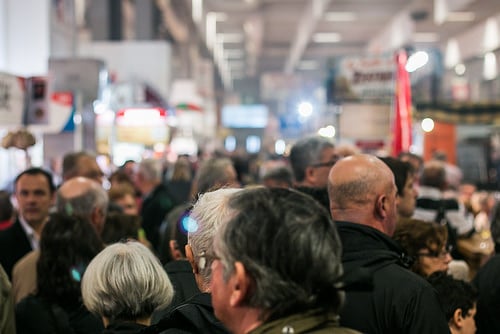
x: 294, y: 37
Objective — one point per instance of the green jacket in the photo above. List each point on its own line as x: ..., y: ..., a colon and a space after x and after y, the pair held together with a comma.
x: 314, y: 321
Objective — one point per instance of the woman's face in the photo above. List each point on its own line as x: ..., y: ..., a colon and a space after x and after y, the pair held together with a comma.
x: 406, y: 202
x: 128, y: 204
x: 432, y: 260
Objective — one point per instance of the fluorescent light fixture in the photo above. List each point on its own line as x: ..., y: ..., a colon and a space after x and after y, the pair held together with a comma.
x: 307, y: 65
x: 425, y: 37
x: 326, y: 37
x: 460, y: 17
x: 230, y: 38
x: 490, y: 70
x: 416, y: 61
x: 340, y: 16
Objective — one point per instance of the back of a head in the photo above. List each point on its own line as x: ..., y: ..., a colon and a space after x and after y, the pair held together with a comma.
x: 6, y: 207
x: 453, y: 294
x: 182, y: 170
x: 434, y: 174
x: 213, y: 174
x: 151, y: 170
x: 401, y: 171
x: 278, y: 177
x: 125, y: 282
x: 80, y: 163
x: 276, y: 234
x: 68, y: 244
x: 81, y: 196
x: 120, y: 226
x: 208, y: 213
x: 306, y: 151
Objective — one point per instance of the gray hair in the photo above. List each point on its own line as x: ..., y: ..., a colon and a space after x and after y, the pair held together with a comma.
x: 94, y: 197
x: 212, y: 173
x: 70, y: 162
x: 289, y: 247
x: 125, y: 282
x: 208, y: 213
x: 305, y: 152
x: 151, y: 169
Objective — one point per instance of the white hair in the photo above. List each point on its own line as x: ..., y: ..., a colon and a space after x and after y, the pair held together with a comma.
x: 125, y: 281
x: 208, y: 213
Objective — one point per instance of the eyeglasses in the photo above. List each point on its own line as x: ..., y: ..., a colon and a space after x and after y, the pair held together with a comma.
x: 441, y: 255
x: 325, y: 164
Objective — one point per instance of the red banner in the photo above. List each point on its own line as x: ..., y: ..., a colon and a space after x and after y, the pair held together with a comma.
x: 401, y: 126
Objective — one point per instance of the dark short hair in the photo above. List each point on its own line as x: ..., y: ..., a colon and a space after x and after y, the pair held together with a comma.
x: 289, y: 247
x: 67, y: 245
x: 401, y: 170
x: 305, y: 152
x: 453, y: 294
x: 280, y: 174
x: 38, y: 171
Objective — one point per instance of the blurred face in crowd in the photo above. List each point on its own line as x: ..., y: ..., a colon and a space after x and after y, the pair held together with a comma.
x: 468, y: 322
x: 317, y: 173
x: 34, y: 198
x: 431, y: 260
x: 88, y: 167
x: 128, y: 204
x: 406, y: 202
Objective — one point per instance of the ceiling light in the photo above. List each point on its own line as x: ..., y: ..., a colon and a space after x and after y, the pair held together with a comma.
x: 425, y: 37
x: 460, y: 17
x: 416, y: 61
x: 326, y: 37
x: 460, y: 69
x: 340, y: 16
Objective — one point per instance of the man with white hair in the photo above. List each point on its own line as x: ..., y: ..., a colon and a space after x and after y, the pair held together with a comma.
x: 196, y: 315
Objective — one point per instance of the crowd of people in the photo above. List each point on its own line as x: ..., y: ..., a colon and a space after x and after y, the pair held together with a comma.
x: 326, y: 240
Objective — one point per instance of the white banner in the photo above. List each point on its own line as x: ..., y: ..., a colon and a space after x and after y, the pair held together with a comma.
x: 11, y: 101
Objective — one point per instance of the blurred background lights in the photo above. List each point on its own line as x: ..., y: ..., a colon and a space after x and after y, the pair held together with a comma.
x: 427, y: 124
x: 460, y: 69
x: 416, y: 61
x: 328, y: 131
x: 305, y: 109
x: 189, y: 225
x: 280, y: 146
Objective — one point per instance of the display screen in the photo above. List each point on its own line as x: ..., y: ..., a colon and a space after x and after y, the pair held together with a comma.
x: 245, y: 116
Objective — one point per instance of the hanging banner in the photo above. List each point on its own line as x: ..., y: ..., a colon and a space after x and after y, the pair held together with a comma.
x: 364, y: 79
x: 401, y: 124
x: 11, y: 100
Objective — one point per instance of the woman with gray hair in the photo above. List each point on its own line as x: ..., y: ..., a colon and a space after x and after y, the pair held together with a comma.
x: 124, y: 284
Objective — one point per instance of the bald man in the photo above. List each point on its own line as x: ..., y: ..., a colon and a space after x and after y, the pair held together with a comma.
x: 76, y: 196
x: 382, y: 295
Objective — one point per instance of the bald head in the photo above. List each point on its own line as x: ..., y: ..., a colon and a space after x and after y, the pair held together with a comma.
x: 83, y: 196
x: 362, y: 190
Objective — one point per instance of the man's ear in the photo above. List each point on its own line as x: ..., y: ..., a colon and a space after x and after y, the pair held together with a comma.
x: 239, y: 284
x: 309, y: 174
x: 190, y: 257
x: 457, y: 319
x: 381, y: 206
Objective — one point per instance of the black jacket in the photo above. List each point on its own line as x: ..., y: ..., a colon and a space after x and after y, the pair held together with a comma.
x: 154, y: 208
x: 181, y: 275
x: 14, y: 244
x: 34, y: 315
x: 194, y: 316
x: 488, y: 303
x: 382, y: 295
x: 124, y: 328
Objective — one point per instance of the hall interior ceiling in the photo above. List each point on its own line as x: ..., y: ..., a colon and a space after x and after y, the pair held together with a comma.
x: 299, y: 36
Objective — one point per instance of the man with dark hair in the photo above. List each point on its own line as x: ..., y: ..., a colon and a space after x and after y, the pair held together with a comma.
x: 276, y: 266
x: 311, y: 159
x: 458, y: 299
x: 382, y: 295
x: 34, y: 192
x: 279, y: 177
x: 81, y: 164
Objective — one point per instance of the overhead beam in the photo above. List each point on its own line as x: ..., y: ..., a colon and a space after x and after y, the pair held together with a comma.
x: 313, y: 13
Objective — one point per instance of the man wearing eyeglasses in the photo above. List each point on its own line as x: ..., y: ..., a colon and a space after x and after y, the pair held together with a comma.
x: 311, y: 159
